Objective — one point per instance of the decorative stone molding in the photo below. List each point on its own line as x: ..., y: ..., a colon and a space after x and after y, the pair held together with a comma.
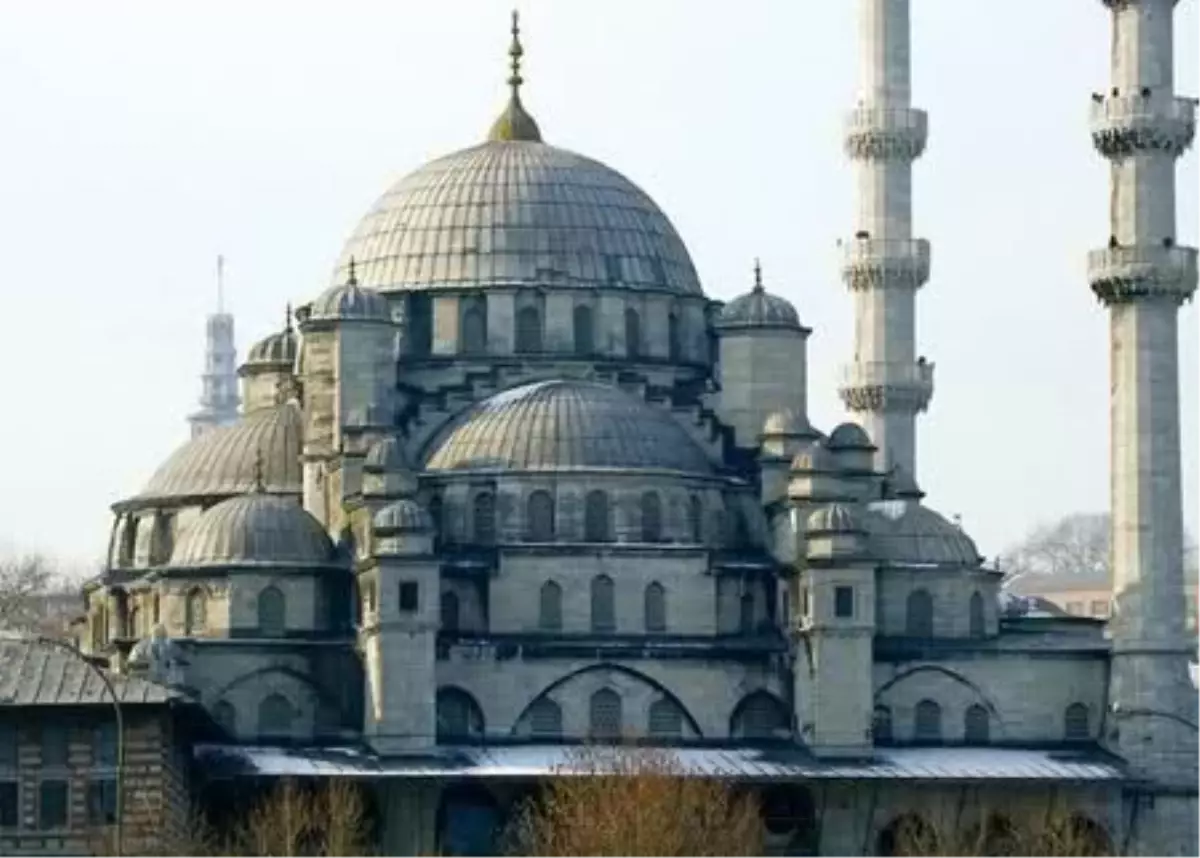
x: 1124, y: 125
x: 869, y: 263
x: 886, y: 133
x: 884, y: 386
x: 1122, y: 274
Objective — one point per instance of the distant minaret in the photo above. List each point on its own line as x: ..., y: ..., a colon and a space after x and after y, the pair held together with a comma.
x: 1142, y: 276
x: 886, y: 385
x: 219, y: 393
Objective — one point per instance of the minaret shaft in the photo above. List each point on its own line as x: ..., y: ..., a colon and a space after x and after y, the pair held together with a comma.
x: 883, y: 265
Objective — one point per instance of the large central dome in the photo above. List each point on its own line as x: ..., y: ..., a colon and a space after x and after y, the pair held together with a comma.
x: 517, y: 213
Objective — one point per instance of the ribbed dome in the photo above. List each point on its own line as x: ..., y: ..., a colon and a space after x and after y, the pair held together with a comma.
x: 905, y: 532
x: 512, y: 213
x: 277, y: 351
x: 254, y: 530
x: 555, y: 425
x: 834, y: 518
x: 849, y: 436
x: 350, y: 301
x: 387, y: 455
x: 758, y: 308
x: 222, y: 461
x: 402, y: 516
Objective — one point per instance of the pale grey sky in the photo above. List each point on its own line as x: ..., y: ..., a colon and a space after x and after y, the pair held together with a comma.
x: 142, y: 138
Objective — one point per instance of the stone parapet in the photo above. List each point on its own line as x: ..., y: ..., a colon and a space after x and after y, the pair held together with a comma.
x: 897, y: 133
x: 885, y: 386
x: 869, y: 263
x: 1121, y: 274
x: 1123, y: 125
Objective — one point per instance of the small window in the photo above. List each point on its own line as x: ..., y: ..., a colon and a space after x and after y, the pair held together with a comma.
x: 545, y: 719
x: 605, y: 715
x: 485, y: 518
x: 976, y: 725
x: 633, y: 333
x: 474, y: 331
x: 9, y: 794
x: 410, y: 593
x: 104, y: 744
x: 881, y: 724
x: 54, y: 745
x: 843, y: 602
x: 656, y: 608
x: 666, y: 719
x: 272, y: 613
x: 927, y: 722
x: 919, y: 621
x: 651, y: 517
x: 976, y: 621
x: 595, y: 517
x: 102, y: 802
x: 539, y: 517
x: 603, y: 609
x: 550, y: 607
x: 275, y: 717
x: 1075, y: 723
x: 529, y: 331
x: 585, y: 337
x: 195, y: 612
x: 450, y: 611
x: 53, y: 801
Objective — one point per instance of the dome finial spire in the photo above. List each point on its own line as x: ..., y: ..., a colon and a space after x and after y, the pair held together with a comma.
x: 287, y: 317
x: 352, y: 279
x: 758, y: 287
x: 514, y: 123
x: 259, y: 485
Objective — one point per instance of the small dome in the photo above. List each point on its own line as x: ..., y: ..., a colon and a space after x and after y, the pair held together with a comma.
x: 905, y: 532
x: 815, y: 458
x: 834, y: 518
x: 758, y: 308
x: 387, y: 454
x: 223, y: 461
x: 254, y: 530
x: 849, y: 436
x: 788, y: 422
x: 402, y: 516
x: 562, y: 425
x: 350, y: 301
x: 274, y: 352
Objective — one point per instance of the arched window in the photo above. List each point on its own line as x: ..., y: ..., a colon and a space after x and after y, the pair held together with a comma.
x: 881, y: 724
x: 550, y: 607
x: 976, y: 621
x: 919, y: 620
x: 529, y: 331
x: 927, y: 722
x: 604, y: 711
x: 449, y: 611
x: 226, y: 716
x: 603, y: 610
x: 746, y: 613
x: 976, y: 725
x: 272, y: 613
x: 651, y: 517
x: 474, y: 330
x: 275, y: 717
x: 656, y: 608
x: 759, y: 716
x: 633, y: 333
x: 666, y: 719
x: 539, y: 517
x: 194, y: 612
x: 1075, y: 723
x: 673, y: 343
x: 595, y: 517
x: 696, y: 518
x: 585, y: 334
x: 545, y: 719
x: 458, y: 715
x: 484, y: 518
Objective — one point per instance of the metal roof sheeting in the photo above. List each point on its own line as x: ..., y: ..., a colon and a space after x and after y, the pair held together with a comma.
x: 40, y: 674
x: 914, y: 764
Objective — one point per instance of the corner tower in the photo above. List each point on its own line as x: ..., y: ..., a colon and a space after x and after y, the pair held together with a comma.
x: 886, y: 384
x: 1142, y: 276
x: 219, y: 385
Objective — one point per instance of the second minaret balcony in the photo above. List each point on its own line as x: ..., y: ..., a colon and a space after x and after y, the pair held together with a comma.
x: 1126, y: 124
x: 1121, y: 274
x: 886, y: 133
x: 873, y: 263
x: 876, y: 385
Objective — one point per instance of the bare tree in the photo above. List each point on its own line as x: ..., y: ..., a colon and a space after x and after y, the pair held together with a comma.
x: 24, y: 582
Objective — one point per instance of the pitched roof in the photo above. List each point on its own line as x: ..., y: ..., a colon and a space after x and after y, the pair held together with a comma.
x: 34, y: 673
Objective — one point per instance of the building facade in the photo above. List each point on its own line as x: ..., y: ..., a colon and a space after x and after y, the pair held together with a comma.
x: 513, y: 482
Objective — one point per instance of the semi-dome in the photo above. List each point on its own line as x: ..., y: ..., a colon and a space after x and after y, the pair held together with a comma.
x: 564, y: 425
x: 849, y: 436
x: 834, y: 518
x: 225, y: 460
x: 255, y: 529
x: 758, y: 308
x: 350, y: 302
x: 402, y: 516
x: 907, y: 533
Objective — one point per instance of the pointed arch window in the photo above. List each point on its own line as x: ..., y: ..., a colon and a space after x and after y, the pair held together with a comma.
x: 633, y: 333
x: 605, y: 715
x: 652, y: 517
x: 881, y: 724
x: 550, y: 607
x: 976, y: 725
x: 1075, y: 723
x: 585, y: 332
x: 458, y: 715
x: 195, y: 612
x: 275, y: 717
x: 529, y: 331
x: 596, y: 526
x: 656, y: 608
x: 666, y: 719
x: 603, y: 610
x: 976, y: 619
x: 545, y: 719
x: 919, y: 614
x: 539, y: 517
x: 272, y: 612
x: 759, y: 716
x: 927, y: 722
x: 484, y: 518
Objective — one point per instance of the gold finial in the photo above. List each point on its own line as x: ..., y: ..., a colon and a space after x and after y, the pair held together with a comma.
x: 352, y: 280
x: 758, y: 287
x: 515, y: 123
x: 259, y: 485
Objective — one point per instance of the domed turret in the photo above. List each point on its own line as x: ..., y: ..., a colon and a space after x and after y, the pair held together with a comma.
x: 403, y: 527
x: 387, y: 471
x: 904, y: 532
x: 850, y: 436
x: 835, y: 531
x: 758, y: 308
x: 268, y: 372
x: 814, y: 459
x: 349, y: 302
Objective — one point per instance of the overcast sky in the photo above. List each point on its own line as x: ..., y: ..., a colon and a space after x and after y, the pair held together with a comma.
x: 140, y: 139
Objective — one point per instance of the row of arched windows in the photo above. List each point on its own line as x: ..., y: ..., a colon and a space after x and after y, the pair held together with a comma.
x: 541, y: 517
x: 276, y: 717
x: 459, y: 716
x: 977, y: 723
x: 528, y: 335
x: 603, y: 607
x: 271, y: 608
x: 919, y: 615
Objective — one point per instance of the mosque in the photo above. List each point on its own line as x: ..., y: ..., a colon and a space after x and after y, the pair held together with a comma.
x: 514, y: 482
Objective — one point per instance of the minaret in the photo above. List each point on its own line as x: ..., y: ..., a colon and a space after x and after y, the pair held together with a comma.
x: 219, y: 392
x: 1142, y: 276
x: 886, y: 384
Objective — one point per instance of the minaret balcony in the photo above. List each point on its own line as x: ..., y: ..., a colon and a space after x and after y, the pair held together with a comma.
x: 874, y: 263
x: 886, y: 133
x: 1127, y: 124
x: 886, y: 386
x: 1120, y: 274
